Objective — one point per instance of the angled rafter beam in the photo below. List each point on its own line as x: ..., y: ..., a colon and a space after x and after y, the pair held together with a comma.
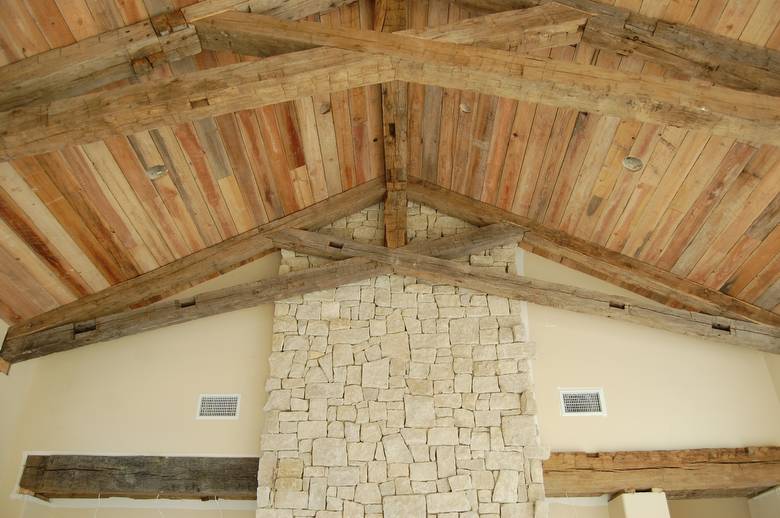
x: 107, y: 326
x: 628, y: 272
x: 436, y: 270
x: 721, y: 111
x: 90, y: 117
x: 126, y: 323
x: 127, y: 52
x: 680, y: 473
x: 84, y: 66
x: 550, y: 25
x: 687, y: 50
x: 199, y: 266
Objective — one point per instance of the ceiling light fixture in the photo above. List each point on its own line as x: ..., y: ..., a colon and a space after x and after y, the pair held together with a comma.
x: 633, y: 163
x: 156, y: 171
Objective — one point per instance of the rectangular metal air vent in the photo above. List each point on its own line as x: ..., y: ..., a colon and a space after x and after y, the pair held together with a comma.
x: 218, y: 406
x: 583, y: 402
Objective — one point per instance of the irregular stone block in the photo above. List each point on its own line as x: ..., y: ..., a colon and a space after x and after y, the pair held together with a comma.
x: 376, y: 374
x: 420, y: 411
x: 497, y: 460
x: 329, y: 452
x: 505, y: 490
x: 395, y: 345
x: 408, y: 506
x: 524, y: 510
x: 396, y: 450
x: 464, y: 331
x: 448, y: 502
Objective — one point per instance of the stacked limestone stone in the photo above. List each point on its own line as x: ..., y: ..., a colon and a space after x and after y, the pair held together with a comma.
x: 394, y: 398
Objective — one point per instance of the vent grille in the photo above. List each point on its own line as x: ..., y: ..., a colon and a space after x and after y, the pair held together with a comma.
x: 218, y: 406
x: 583, y: 402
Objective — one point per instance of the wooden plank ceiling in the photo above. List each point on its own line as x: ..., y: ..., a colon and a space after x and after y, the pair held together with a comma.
x: 77, y: 220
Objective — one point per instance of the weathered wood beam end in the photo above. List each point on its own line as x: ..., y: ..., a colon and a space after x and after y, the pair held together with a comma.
x: 395, y: 215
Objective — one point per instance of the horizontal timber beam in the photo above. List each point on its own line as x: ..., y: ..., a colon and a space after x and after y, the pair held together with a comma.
x: 87, y: 118
x: 717, y: 472
x: 78, y: 333
x: 695, y: 53
x: 645, y: 279
x: 141, y: 477
x: 128, y: 52
x: 695, y: 473
x: 439, y: 271
x: 550, y: 25
x: 721, y: 111
x: 188, y: 97
x: 202, y: 265
x: 94, y: 62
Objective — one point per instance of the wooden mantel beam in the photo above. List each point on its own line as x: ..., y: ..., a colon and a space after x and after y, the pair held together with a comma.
x: 627, y: 272
x: 140, y: 477
x: 689, y: 51
x: 715, y: 472
x: 202, y: 265
x: 111, y: 325
x: 721, y: 111
x: 680, y: 473
x: 438, y: 271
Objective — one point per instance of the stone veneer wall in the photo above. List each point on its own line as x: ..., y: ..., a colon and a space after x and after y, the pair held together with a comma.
x: 394, y: 398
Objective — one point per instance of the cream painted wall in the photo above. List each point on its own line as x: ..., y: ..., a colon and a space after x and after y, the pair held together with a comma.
x: 710, y: 508
x: 662, y: 390
x: 765, y: 505
x: 138, y: 395
x: 697, y: 508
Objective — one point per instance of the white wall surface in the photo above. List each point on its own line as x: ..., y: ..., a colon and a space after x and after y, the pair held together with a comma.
x: 662, y: 390
x: 138, y: 395
x: 695, y: 508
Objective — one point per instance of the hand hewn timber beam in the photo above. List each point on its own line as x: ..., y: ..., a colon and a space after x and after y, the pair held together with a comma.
x: 90, y: 117
x: 88, y: 476
x: 680, y: 473
x: 395, y: 120
x: 84, y: 66
x: 644, y: 279
x: 127, y: 52
x: 156, y: 316
x: 721, y: 111
x: 80, y: 332
x: 550, y: 25
x: 687, y: 50
x: 439, y: 271
x: 201, y: 265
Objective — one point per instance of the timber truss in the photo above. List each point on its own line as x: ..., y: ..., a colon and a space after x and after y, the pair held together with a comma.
x: 48, y: 102
x: 101, y: 316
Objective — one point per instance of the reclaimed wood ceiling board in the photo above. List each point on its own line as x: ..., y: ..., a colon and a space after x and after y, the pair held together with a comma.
x: 704, y: 207
x: 77, y: 220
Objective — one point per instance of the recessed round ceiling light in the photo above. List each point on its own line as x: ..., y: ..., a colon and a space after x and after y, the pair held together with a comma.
x: 156, y: 171
x: 633, y: 163
x: 465, y: 108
